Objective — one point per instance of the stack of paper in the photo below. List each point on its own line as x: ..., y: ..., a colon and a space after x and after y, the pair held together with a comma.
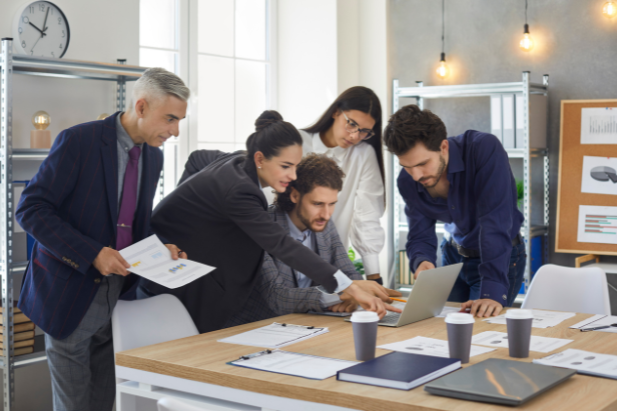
x: 539, y: 344
x: 584, y: 362
x: 598, y: 320
x: 429, y: 346
x: 275, y: 335
x: 541, y: 318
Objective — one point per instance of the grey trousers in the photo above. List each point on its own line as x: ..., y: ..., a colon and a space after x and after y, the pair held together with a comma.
x: 82, y: 365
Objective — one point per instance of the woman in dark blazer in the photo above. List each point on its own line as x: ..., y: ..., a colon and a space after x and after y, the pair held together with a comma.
x: 219, y: 217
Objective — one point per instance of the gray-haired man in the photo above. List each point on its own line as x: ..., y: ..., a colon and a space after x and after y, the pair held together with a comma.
x: 92, y: 196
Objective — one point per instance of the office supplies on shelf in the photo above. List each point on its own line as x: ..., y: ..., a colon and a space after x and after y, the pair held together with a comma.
x: 498, y: 381
x: 149, y: 258
x: 500, y: 340
x: 541, y: 318
x: 584, y: 362
x: 291, y: 363
x: 399, y: 370
x: 429, y: 346
x: 275, y: 335
x: 598, y: 320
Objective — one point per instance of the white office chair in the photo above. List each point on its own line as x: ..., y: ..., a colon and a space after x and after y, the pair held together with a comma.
x: 151, y: 321
x: 581, y: 290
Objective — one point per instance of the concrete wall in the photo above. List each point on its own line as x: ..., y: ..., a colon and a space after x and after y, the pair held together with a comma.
x: 575, y: 45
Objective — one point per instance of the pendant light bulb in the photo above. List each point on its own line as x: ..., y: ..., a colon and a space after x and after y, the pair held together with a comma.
x: 610, y: 9
x: 526, y: 42
x: 443, y: 70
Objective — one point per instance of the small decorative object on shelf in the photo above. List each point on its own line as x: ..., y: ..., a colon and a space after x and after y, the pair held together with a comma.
x: 40, y: 138
x: 102, y: 116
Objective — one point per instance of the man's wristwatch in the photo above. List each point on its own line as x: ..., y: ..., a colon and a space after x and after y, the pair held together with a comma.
x: 377, y: 280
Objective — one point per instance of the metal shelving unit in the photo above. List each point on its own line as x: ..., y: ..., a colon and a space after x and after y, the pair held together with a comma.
x: 535, y: 225
x: 17, y: 64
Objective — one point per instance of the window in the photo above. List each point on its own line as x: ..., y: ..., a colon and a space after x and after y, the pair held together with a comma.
x: 233, y: 65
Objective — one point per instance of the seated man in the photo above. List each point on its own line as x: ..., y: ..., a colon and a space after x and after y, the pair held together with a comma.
x: 304, y: 210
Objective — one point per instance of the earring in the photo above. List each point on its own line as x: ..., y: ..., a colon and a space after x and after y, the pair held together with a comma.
x: 259, y: 168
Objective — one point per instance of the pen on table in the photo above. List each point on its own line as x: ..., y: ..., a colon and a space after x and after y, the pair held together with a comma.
x: 398, y: 299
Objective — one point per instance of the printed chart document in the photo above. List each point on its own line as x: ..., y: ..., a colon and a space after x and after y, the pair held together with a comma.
x: 599, y: 175
x: 584, y: 362
x: 598, y: 320
x: 599, y: 125
x: 291, y: 363
x: 150, y: 259
x: 539, y: 344
x: 429, y: 346
x: 597, y: 224
x: 275, y: 335
x: 541, y: 318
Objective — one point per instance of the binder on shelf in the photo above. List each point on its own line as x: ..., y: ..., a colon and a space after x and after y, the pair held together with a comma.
x: 17, y: 318
x: 496, y: 125
x: 20, y: 351
x: 20, y: 328
x: 508, y: 130
x: 20, y: 344
x: 405, y: 275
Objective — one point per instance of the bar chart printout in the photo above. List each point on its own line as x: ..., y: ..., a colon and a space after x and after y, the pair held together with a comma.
x: 597, y: 224
x: 599, y: 125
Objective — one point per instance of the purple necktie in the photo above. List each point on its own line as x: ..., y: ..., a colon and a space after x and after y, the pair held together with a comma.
x: 129, y: 201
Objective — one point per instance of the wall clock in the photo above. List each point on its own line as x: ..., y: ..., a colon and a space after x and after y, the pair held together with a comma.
x: 41, y: 29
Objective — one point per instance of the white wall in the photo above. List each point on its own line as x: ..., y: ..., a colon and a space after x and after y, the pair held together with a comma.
x: 325, y: 47
x: 100, y: 31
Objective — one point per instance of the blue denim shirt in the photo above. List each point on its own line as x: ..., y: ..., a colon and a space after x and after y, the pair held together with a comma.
x: 480, y: 212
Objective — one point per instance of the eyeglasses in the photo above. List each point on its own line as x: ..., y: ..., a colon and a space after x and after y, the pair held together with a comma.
x: 352, y: 128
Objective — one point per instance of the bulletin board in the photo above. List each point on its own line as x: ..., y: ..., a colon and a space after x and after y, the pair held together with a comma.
x: 585, y: 178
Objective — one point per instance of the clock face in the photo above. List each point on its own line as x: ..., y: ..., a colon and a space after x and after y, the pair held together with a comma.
x: 41, y: 30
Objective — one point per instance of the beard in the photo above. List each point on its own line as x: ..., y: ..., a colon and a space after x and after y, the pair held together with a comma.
x: 307, y: 223
x: 437, y: 177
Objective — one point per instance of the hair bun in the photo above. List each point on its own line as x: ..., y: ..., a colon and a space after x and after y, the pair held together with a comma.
x: 266, y: 118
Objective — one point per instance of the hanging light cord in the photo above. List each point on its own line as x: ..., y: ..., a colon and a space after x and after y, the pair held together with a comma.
x: 525, y: 11
x: 443, y: 26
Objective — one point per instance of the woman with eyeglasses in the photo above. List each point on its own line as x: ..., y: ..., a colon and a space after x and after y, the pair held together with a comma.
x: 350, y: 132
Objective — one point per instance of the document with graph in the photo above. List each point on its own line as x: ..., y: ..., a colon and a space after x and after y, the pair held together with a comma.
x: 150, y: 259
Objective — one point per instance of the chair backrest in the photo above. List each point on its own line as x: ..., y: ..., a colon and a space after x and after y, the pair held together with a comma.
x: 150, y: 321
x: 581, y: 290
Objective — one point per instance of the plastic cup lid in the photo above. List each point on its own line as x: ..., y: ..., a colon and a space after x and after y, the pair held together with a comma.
x: 460, y: 318
x: 519, y: 314
x: 364, y: 317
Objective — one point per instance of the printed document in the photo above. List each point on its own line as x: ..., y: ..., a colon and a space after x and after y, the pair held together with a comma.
x: 598, y: 320
x: 539, y: 344
x: 429, y: 346
x: 150, y: 259
x: 275, y: 335
x: 541, y: 318
x: 585, y: 362
x: 291, y: 363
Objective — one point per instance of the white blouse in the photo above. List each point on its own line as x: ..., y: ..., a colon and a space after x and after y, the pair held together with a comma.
x: 361, y: 202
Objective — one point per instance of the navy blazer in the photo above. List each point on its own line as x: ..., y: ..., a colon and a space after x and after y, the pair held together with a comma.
x: 70, y: 208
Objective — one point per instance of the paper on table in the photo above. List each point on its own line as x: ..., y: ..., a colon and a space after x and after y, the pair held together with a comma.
x: 598, y: 320
x: 585, y: 362
x: 447, y: 310
x: 541, y: 318
x: 291, y: 363
x: 275, y: 335
x: 150, y: 259
x: 539, y: 344
x: 429, y: 346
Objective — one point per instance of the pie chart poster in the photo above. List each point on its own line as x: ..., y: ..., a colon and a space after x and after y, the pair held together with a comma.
x: 599, y: 175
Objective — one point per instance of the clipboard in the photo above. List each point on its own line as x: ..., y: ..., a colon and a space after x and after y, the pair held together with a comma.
x: 275, y: 335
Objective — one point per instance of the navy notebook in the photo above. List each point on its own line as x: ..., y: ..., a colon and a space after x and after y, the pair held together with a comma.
x: 399, y: 370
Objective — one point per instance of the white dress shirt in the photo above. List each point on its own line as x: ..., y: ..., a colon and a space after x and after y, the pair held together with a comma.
x: 361, y: 202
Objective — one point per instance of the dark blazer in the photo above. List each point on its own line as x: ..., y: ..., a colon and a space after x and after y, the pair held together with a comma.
x: 219, y: 217
x: 70, y: 208
x: 276, y: 290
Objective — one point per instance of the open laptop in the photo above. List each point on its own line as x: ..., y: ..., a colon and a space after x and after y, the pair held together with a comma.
x: 427, y: 298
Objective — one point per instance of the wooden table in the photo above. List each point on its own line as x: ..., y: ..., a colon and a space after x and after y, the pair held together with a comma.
x: 201, y: 359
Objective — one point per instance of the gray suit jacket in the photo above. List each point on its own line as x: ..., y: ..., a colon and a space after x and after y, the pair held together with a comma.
x: 276, y: 292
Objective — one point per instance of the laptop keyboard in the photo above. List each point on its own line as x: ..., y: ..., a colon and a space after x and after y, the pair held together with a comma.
x: 391, y: 318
